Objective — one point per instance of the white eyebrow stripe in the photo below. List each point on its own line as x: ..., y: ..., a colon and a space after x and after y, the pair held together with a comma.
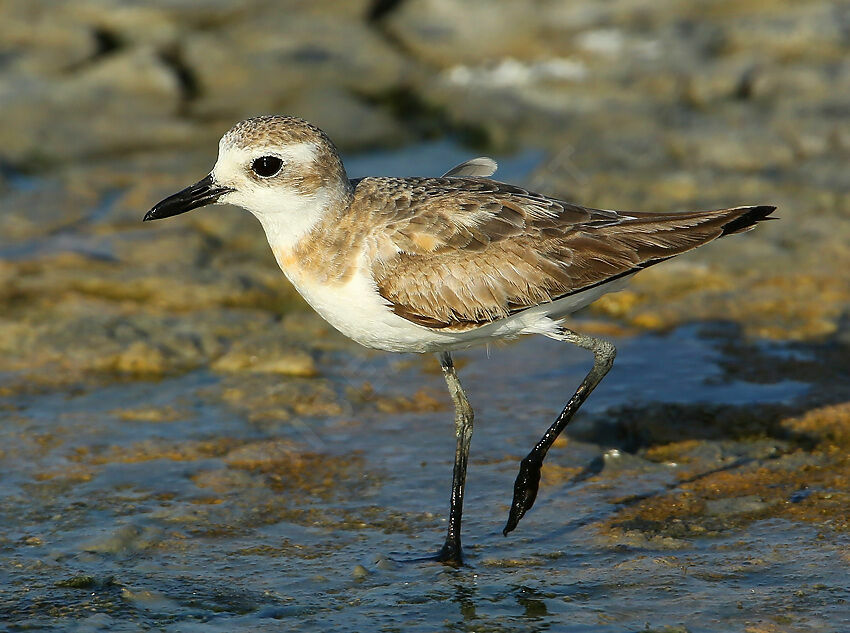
x: 297, y: 153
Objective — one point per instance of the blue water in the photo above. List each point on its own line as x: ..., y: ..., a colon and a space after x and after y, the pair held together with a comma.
x: 434, y: 158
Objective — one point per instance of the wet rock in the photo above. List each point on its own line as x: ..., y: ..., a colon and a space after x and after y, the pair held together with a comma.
x: 292, y: 53
x: 735, y: 151
x: 443, y: 33
x: 289, y: 364
x: 139, y: 358
x: 149, y: 414
x: 266, y: 354
x: 125, y: 102
x: 264, y: 454
x: 422, y: 400
x: 712, y: 500
x: 385, y: 564
x: 226, y: 480
x: 155, y: 449
x: 676, y: 432
x: 720, y: 82
x: 129, y: 74
x: 802, y: 31
x: 110, y: 343
x: 282, y: 465
x: 828, y: 426
x: 42, y: 44
x: 268, y: 397
x: 766, y: 305
x: 351, y: 120
x: 127, y: 539
x: 41, y: 210
x: 735, y: 505
x: 616, y: 462
x: 86, y: 582
x: 555, y: 474
x: 149, y: 599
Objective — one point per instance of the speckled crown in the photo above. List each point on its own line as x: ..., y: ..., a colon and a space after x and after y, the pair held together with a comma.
x: 275, y: 129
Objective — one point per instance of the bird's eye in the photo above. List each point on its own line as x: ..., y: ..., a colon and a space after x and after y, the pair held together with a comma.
x: 266, y: 166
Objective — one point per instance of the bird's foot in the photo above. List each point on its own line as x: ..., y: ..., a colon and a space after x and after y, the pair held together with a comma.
x: 525, y: 491
x: 450, y: 554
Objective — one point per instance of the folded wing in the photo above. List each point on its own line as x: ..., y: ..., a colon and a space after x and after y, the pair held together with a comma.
x: 459, y: 253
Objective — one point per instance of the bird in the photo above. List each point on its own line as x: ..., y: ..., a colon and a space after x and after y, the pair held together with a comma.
x: 433, y: 265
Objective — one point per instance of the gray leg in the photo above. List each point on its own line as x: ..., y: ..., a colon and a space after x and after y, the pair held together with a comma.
x: 451, y: 551
x: 528, y: 479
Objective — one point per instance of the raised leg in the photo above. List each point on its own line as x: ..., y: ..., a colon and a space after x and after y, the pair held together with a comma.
x: 528, y: 479
x: 451, y: 551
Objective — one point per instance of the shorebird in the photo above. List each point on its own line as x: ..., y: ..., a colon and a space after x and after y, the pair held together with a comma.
x: 438, y: 264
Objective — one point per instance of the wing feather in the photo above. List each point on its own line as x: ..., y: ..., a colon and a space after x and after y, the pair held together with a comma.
x: 481, y: 167
x: 462, y: 252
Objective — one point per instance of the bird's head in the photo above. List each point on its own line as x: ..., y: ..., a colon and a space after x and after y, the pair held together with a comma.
x: 282, y: 169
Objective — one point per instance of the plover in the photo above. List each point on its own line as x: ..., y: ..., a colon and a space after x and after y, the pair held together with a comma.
x: 438, y: 264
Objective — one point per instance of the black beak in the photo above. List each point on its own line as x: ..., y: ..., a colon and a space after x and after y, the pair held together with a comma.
x: 200, y: 194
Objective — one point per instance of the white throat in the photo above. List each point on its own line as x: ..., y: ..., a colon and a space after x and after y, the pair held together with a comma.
x: 287, y: 217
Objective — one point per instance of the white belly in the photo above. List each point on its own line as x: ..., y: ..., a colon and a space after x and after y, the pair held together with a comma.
x: 358, y: 311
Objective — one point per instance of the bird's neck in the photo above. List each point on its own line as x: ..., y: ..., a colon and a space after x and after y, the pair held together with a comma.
x: 307, y: 242
x: 293, y: 217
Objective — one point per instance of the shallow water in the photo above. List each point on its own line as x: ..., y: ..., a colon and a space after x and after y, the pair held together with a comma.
x: 121, y: 524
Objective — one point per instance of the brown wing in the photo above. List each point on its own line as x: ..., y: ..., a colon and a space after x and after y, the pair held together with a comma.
x: 461, y: 252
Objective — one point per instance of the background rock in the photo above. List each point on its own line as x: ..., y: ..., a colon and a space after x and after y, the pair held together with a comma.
x: 109, y: 106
